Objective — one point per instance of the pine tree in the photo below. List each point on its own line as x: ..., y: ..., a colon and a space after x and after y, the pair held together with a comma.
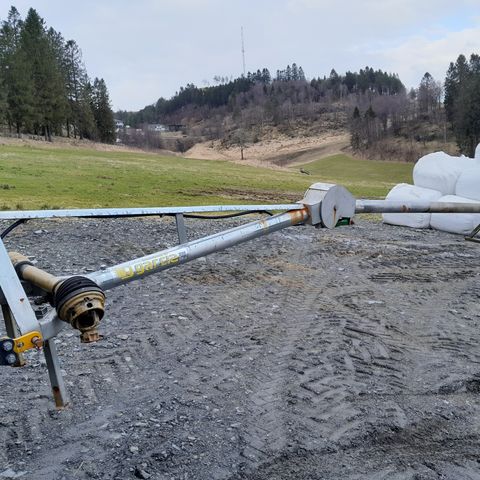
x: 288, y: 73
x: 301, y: 74
x: 355, y: 139
x: 462, y: 102
x: 49, y: 94
x: 294, y: 71
x: 87, y: 127
x: 75, y: 81
x: 16, y: 73
x: 426, y: 95
x: 102, y: 112
x: 457, y: 75
x: 266, y: 77
x: 370, y: 125
x: 56, y: 44
x: 467, y: 122
x: 466, y: 107
x: 334, y: 83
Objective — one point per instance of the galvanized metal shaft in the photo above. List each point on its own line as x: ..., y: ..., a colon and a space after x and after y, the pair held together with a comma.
x: 362, y: 206
x: 138, y: 212
x: 156, y: 262
x: 417, y: 206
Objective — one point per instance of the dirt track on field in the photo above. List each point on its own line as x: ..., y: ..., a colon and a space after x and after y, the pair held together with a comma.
x: 277, y: 152
x: 310, y: 354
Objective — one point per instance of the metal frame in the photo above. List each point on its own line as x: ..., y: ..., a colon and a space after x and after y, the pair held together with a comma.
x: 139, y: 212
x: 324, y: 205
x: 362, y: 206
x: 20, y: 319
x: 22, y: 325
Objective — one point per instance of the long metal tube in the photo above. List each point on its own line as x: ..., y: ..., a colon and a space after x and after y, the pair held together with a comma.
x: 138, y: 212
x: 140, y: 267
x: 417, y: 206
x: 362, y: 206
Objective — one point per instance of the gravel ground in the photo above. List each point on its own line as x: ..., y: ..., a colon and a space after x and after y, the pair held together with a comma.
x: 309, y: 354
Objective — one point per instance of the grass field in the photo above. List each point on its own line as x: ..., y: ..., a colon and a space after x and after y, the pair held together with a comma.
x: 367, y: 178
x: 75, y: 177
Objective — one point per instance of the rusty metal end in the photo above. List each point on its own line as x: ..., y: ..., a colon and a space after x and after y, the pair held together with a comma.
x: 298, y: 216
x: 90, y: 336
x: 264, y: 224
x: 37, y: 342
x: 60, y: 404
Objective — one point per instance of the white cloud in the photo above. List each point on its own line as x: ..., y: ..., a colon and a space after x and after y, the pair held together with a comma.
x: 417, y: 55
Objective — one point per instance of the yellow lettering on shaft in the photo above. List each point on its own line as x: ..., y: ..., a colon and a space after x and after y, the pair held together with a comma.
x: 125, y: 272
x: 149, y: 265
x: 140, y: 268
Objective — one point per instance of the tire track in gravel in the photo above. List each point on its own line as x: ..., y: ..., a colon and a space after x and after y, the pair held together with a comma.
x: 304, y: 401
x: 380, y: 351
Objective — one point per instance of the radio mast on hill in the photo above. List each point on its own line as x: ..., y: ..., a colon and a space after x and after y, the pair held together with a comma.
x: 243, y: 52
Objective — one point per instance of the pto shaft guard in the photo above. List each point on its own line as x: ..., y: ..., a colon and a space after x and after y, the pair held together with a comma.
x: 327, y: 204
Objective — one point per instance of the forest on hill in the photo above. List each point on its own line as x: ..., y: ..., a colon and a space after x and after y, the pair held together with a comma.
x: 44, y: 85
x: 288, y: 88
x: 372, y: 104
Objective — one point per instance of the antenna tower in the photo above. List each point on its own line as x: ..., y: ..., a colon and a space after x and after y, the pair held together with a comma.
x: 243, y: 52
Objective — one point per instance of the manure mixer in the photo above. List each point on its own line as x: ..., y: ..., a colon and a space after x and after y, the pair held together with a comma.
x: 79, y: 300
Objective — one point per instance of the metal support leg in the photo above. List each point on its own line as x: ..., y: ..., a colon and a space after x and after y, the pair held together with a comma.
x: 12, y: 331
x: 56, y: 380
x: 475, y: 232
x: 181, y: 230
x: 14, y: 296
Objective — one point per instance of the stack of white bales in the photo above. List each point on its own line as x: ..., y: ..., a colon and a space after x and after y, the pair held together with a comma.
x: 443, y: 178
x: 404, y: 192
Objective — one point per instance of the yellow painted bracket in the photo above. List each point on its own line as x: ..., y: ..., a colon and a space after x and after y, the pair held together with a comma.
x: 27, y: 342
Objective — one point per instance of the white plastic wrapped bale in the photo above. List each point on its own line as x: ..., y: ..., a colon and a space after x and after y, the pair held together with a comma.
x: 462, y: 223
x: 468, y: 184
x: 406, y: 192
x: 477, y: 152
x: 439, y: 171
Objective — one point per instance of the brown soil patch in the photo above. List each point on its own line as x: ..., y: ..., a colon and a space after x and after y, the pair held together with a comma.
x: 276, y: 152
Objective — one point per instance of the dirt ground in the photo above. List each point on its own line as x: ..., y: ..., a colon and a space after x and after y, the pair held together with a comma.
x: 309, y: 354
x: 276, y: 151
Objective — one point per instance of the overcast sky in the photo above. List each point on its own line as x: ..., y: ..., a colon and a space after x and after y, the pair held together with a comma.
x: 149, y: 48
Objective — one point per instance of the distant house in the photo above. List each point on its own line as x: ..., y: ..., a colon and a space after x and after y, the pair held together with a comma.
x: 157, y: 127
x: 119, y: 124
